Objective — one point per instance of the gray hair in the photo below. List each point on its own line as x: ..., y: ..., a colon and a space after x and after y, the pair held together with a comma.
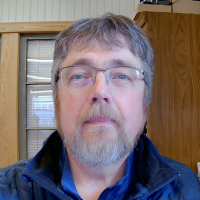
x: 106, y: 31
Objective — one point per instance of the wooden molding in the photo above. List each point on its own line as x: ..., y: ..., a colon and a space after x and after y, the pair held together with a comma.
x: 33, y: 27
x: 9, y: 93
x: 141, y: 18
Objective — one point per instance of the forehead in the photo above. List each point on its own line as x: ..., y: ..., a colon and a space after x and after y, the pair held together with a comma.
x: 96, y: 54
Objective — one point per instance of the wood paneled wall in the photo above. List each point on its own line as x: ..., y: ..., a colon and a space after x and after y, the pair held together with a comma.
x: 173, y: 120
x: 62, y: 10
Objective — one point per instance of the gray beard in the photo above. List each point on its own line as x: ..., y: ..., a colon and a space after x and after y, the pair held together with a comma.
x: 98, y: 151
x: 95, y: 148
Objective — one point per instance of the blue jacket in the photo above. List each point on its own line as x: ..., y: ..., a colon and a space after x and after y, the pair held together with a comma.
x: 155, y: 177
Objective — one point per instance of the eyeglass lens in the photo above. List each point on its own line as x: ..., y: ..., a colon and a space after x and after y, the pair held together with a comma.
x: 119, y: 78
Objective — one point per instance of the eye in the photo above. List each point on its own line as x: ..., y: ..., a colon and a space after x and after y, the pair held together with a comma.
x: 121, y: 76
x: 77, y: 76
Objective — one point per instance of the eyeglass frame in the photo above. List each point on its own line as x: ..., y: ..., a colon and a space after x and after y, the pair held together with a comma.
x: 98, y: 69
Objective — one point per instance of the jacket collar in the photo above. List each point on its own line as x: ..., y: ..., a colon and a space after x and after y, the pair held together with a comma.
x: 151, y: 172
x: 44, y: 167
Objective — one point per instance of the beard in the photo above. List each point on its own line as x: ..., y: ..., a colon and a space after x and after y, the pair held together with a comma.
x: 98, y: 146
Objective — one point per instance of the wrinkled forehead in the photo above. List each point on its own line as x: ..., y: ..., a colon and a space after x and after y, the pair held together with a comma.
x: 105, y: 42
x: 97, y: 55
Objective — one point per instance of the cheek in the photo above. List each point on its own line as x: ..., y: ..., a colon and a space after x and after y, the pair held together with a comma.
x: 70, y: 106
x: 132, y: 110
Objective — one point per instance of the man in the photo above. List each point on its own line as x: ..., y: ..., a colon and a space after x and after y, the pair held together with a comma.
x: 101, y: 79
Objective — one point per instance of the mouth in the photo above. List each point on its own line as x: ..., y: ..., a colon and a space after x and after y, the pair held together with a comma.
x: 100, y: 120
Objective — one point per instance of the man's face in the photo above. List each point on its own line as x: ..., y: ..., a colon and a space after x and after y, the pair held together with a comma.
x: 98, y: 124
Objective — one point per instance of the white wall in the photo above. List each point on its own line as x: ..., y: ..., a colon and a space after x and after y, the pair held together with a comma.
x: 62, y: 10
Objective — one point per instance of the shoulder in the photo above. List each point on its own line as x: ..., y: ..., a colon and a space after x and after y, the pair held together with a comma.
x: 187, y: 180
x: 12, y: 171
x: 180, y: 167
x: 11, y: 181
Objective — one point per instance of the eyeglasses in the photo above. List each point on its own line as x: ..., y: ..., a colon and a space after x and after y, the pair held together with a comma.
x: 119, y: 78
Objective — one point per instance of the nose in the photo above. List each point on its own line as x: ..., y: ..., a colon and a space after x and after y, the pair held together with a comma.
x: 100, y: 92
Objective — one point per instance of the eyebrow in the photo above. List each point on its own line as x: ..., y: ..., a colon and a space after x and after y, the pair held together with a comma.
x: 111, y: 63
x: 84, y: 62
x: 119, y: 62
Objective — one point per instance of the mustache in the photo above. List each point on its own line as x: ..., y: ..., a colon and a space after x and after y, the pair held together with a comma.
x: 98, y: 110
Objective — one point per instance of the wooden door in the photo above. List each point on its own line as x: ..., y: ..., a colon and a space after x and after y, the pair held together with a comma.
x: 174, y: 116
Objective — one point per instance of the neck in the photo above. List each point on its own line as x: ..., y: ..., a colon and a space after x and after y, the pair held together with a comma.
x: 90, y: 182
